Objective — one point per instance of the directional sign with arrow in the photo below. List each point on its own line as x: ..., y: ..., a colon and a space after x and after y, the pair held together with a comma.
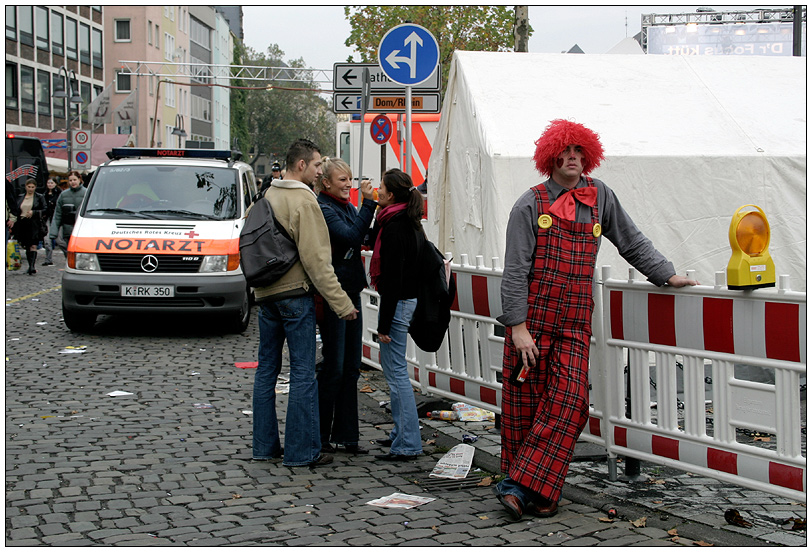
x: 408, y: 54
x: 347, y: 78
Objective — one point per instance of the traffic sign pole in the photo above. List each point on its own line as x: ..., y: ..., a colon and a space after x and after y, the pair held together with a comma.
x: 364, y: 99
x: 409, y: 160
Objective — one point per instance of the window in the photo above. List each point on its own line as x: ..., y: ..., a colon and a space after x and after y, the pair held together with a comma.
x: 70, y: 39
x: 169, y: 47
x: 122, y: 30
x: 169, y: 94
x: 11, y: 86
x: 11, y: 23
x: 56, y: 33
x: 26, y: 24
x: 27, y: 88
x: 97, y: 48
x: 42, y: 27
x: 123, y: 82
x: 84, y: 43
x: 201, y: 108
x: 199, y: 33
x: 157, y: 36
x: 59, y: 104
x: 151, y: 86
x: 85, y: 89
x: 44, y: 92
x: 149, y: 32
x: 169, y: 12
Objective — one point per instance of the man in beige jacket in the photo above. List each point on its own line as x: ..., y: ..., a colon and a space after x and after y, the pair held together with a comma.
x: 287, y: 311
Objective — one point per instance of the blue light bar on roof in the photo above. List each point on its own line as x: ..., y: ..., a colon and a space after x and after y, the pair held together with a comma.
x: 118, y: 153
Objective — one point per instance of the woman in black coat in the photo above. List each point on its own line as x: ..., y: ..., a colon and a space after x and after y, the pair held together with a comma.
x: 51, y: 195
x: 29, y: 226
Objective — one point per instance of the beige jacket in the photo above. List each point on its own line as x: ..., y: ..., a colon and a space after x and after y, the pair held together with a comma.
x: 297, y: 210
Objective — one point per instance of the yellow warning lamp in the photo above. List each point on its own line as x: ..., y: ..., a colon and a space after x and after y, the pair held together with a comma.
x: 750, y: 265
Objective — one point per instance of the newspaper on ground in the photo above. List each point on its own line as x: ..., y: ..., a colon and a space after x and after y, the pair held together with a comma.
x: 400, y: 500
x: 455, y: 464
x: 468, y: 413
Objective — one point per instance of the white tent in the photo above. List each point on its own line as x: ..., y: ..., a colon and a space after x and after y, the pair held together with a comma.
x: 688, y: 140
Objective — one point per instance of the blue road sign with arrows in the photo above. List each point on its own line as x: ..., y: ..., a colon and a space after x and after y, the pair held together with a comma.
x: 408, y: 54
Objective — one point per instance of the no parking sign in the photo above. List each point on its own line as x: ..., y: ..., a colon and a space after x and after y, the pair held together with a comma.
x: 80, y: 150
x: 380, y: 129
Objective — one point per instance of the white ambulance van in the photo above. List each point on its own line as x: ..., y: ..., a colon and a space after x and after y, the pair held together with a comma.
x: 159, y: 232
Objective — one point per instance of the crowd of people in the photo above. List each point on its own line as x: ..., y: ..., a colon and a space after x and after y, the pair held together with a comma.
x: 552, y: 239
x: 42, y: 220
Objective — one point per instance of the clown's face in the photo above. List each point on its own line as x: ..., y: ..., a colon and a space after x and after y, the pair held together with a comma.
x: 568, y: 166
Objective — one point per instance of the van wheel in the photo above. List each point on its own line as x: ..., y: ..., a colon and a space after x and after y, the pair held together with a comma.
x: 78, y: 322
x: 242, y: 317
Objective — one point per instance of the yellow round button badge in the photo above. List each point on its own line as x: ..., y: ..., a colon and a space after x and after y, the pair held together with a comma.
x: 545, y: 221
x: 596, y: 230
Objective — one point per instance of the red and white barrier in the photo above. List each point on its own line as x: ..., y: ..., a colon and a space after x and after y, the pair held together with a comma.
x: 702, y: 328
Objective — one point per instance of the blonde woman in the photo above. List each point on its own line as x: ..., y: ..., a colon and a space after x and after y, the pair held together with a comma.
x: 341, y: 339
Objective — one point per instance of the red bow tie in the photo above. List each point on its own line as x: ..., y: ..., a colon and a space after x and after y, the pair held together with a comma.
x: 564, y: 206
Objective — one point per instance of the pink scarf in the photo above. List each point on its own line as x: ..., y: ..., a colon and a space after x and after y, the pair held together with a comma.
x: 383, y: 217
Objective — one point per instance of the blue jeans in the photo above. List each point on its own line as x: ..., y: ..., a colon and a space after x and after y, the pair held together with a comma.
x: 295, y: 320
x: 405, y: 435
x: 338, y: 376
x: 510, y: 487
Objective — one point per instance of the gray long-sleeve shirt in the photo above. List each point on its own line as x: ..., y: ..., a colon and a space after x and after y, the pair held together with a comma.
x: 616, y: 225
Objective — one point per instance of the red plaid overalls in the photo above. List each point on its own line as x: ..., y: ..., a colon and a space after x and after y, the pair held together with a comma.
x: 543, y: 417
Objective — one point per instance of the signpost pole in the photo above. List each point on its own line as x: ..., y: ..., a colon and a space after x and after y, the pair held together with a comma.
x: 364, y: 97
x: 409, y: 160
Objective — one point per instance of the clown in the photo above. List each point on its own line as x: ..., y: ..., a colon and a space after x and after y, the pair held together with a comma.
x: 553, y: 236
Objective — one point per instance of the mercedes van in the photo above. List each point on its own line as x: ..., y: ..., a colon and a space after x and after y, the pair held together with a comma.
x: 158, y: 232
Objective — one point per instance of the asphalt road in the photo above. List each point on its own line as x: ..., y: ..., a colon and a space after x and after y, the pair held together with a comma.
x: 169, y: 462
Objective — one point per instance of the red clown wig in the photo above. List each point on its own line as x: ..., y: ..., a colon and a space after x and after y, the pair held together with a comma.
x: 560, y: 134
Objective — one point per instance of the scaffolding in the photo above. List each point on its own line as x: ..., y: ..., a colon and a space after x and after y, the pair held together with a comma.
x: 711, y: 17
x: 205, y: 72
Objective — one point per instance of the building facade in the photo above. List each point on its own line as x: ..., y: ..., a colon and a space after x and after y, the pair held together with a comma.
x: 45, y: 46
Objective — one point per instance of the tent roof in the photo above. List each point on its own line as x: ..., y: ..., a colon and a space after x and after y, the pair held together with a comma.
x: 697, y: 99
x: 626, y: 46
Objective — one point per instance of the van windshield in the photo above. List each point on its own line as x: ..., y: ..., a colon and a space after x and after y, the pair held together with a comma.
x: 163, y: 192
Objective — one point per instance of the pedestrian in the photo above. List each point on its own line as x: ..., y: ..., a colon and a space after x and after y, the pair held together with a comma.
x: 341, y: 339
x: 287, y: 311
x: 51, y: 194
x: 29, y: 226
x: 553, y: 235
x: 67, y: 205
x: 12, y: 212
x: 394, y: 273
x: 276, y: 174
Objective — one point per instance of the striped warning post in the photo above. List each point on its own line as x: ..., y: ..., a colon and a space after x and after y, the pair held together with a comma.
x: 748, y: 327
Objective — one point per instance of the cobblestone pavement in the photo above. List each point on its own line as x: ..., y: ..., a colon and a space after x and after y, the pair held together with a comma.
x: 170, y: 464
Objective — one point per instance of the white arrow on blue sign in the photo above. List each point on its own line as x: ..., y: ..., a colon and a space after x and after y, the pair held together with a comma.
x: 408, y: 54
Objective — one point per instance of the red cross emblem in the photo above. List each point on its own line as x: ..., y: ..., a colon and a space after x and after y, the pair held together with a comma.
x: 192, y: 234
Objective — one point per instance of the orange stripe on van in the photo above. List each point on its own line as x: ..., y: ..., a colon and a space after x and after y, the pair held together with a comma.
x: 421, y: 146
x: 156, y: 246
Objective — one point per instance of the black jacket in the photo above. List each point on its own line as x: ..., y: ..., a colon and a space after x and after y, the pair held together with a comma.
x: 50, y: 199
x: 347, y: 227
x: 399, y: 271
x: 30, y: 230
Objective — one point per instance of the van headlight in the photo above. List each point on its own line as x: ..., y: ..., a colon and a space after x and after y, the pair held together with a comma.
x: 214, y: 263
x: 87, y: 261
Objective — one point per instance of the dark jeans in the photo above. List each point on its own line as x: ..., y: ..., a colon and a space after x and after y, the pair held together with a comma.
x: 338, y: 376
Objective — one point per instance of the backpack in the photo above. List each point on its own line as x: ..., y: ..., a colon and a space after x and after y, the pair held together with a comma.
x: 267, y: 252
x: 436, y: 292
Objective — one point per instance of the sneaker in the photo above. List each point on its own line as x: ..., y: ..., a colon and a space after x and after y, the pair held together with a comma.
x: 47, y: 263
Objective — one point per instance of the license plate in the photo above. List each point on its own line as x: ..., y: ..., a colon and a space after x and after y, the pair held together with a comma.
x: 147, y: 291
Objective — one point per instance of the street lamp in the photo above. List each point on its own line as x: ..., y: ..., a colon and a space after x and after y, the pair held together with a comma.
x: 75, y: 98
x: 179, y: 130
